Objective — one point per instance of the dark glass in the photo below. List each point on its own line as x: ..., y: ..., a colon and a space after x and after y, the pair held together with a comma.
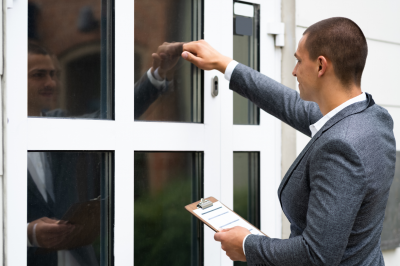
x: 246, y: 51
x: 70, y: 58
x: 167, y: 88
x: 390, y: 237
x: 164, y: 232
x: 246, y: 188
x: 70, y: 219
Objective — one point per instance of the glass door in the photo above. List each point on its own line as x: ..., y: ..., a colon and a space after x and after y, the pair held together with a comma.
x: 128, y: 131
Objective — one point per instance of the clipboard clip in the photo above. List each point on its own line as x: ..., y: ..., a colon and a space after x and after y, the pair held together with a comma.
x: 204, y: 204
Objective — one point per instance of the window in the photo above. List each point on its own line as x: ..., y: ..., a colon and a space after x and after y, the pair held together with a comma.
x: 246, y: 43
x: 70, y: 208
x: 167, y: 88
x: 70, y: 59
x: 164, y: 183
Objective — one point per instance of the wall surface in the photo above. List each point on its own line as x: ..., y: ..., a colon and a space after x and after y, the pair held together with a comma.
x: 380, y: 23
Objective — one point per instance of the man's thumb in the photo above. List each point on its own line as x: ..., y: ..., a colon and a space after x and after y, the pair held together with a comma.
x: 189, y: 57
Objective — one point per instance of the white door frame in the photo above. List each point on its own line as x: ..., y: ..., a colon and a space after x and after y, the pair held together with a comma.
x: 217, y: 137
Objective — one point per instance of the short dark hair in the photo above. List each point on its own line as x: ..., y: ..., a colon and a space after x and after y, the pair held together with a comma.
x: 34, y: 48
x: 341, y: 41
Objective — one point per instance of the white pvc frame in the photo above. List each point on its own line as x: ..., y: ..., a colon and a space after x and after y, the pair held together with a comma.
x: 217, y: 137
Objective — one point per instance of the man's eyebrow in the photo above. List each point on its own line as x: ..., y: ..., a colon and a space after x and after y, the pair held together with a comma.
x: 295, y: 55
x: 41, y: 70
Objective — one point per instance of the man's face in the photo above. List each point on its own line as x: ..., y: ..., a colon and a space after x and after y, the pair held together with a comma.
x: 41, y: 82
x: 306, y: 72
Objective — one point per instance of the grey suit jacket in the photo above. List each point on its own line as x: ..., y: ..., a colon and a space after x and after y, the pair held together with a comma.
x: 335, y: 192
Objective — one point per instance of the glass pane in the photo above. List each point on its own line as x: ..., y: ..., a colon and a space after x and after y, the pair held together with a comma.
x: 390, y: 238
x: 167, y: 88
x: 246, y: 44
x: 70, y: 58
x: 164, y: 232
x: 246, y: 188
x: 69, y: 208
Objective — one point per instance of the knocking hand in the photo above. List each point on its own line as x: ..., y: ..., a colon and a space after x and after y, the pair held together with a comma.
x: 204, y: 56
x: 232, y: 242
x: 166, y: 57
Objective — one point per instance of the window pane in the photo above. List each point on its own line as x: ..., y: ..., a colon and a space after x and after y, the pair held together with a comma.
x: 69, y: 208
x: 246, y: 44
x: 70, y: 58
x: 246, y: 188
x: 390, y: 237
x: 167, y: 88
x: 164, y: 232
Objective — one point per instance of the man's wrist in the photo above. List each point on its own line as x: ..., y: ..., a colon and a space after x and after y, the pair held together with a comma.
x: 223, y: 63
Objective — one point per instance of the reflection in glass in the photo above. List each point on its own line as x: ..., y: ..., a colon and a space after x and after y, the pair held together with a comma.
x: 164, y: 232
x: 69, y: 208
x: 390, y: 237
x: 246, y: 44
x: 246, y: 188
x: 70, y: 58
x: 167, y: 88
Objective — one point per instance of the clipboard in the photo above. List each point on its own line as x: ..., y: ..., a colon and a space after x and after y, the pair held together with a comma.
x: 87, y: 216
x: 206, y: 206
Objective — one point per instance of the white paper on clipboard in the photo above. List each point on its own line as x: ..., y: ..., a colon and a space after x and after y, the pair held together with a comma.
x: 221, y: 217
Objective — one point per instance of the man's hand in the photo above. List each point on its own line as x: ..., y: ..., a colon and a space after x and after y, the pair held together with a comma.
x: 166, y: 58
x: 52, y: 234
x: 204, y: 56
x: 232, y: 242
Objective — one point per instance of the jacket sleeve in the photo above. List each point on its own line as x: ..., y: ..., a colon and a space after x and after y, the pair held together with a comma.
x: 338, y: 187
x: 275, y: 98
x: 145, y: 94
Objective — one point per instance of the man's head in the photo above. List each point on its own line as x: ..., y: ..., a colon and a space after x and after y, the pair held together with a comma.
x: 41, y: 79
x: 333, y: 48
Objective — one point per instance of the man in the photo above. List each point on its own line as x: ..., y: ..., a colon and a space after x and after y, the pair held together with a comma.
x: 335, y: 193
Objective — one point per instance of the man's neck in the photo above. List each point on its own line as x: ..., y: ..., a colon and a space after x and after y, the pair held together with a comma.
x: 331, y: 98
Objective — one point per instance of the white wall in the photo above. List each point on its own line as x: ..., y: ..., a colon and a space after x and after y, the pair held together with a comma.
x: 380, y: 22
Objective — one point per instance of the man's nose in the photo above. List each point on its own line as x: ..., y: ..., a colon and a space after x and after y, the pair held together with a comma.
x: 294, y: 71
x: 50, y: 82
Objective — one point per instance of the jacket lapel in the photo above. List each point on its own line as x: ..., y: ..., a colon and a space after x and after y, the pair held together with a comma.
x: 35, y: 192
x: 349, y: 110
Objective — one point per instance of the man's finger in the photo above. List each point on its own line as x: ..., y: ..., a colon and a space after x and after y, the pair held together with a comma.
x: 191, y: 47
x: 218, y: 237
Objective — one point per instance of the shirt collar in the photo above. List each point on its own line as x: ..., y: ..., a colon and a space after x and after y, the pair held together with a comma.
x: 314, y: 128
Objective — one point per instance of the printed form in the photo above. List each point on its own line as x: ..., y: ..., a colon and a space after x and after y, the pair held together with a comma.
x: 220, y: 217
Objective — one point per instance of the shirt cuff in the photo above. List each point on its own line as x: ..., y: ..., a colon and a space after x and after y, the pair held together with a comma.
x: 160, y: 85
x: 229, y: 69
x: 244, y: 240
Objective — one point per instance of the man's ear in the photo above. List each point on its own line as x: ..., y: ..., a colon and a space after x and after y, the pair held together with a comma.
x: 322, y: 65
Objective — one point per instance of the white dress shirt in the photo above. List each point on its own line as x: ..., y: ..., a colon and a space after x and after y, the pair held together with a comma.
x: 160, y: 83
x: 314, y: 127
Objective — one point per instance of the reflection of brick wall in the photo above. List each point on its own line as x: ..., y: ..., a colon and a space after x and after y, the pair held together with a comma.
x: 150, y: 20
x: 57, y: 24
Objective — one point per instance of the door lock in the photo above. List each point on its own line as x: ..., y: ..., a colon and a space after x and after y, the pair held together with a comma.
x: 214, y: 87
